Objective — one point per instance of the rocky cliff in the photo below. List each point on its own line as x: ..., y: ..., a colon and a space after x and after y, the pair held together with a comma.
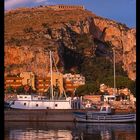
x: 72, y: 35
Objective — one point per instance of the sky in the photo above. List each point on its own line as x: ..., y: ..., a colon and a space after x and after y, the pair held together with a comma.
x: 123, y: 11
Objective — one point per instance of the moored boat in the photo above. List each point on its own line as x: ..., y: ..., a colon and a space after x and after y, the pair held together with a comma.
x: 105, y: 115
x: 39, y: 102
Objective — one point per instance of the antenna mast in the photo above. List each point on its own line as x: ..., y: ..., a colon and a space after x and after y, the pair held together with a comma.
x: 51, y: 87
x: 114, y: 72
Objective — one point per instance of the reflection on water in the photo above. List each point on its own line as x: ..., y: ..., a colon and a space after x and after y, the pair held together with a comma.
x: 40, y: 134
x: 68, y: 131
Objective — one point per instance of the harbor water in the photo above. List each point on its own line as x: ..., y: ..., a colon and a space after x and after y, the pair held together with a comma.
x: 69, y: 131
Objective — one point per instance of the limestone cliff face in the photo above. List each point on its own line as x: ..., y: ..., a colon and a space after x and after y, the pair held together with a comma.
x: 123, y: 40
x: 72, y: 35
x: 25, y: 58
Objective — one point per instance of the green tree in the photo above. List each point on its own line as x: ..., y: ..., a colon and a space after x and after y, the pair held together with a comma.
x: 121, y: 82
x: 98, y: 68
x: 10, y: 89
x: 87, y: 89
x: 132, y: 88
x: 20, y: 89
x: 69, y: 94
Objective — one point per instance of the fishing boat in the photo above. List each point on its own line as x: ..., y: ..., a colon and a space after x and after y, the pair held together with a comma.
x: 106, y: 114
x: 39, y: 102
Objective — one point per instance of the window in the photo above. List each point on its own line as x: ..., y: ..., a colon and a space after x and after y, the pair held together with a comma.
x: 104, y: 109
x: 20, y: 96
x: 25, y: 97
x: 55, y: 105
x: 36, y: 105
x: 24, y: 103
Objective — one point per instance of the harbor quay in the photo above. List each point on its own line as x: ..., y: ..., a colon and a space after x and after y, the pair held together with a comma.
x: 52, y: 115
x: 39, y: 115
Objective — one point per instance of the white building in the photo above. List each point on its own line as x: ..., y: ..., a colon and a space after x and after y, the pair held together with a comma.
x: 75, y: 78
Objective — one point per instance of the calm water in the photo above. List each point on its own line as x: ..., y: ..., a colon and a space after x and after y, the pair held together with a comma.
x: 68, y: 131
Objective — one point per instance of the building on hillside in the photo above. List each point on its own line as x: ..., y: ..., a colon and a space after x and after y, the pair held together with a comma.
x: 28, y: 78
x: 132, y: 99
x: 93, y: 98
x: 73, y: 81
x: 106, y: 89
x: 13, y: 81
x: 42, y: 84
x: 103, y: 88
x: 66, y: 7
x: 125, y: 91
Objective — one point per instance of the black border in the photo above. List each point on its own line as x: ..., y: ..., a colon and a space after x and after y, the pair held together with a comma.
x: 2, y: 69
x: 137, y: 72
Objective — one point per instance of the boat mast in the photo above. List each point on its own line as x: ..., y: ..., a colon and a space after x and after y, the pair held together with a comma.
x: 114, y: 71
x: 51, y: 87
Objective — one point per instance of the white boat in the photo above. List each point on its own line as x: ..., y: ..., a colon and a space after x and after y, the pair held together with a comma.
x: 105, y: 115
x: 39, y: 102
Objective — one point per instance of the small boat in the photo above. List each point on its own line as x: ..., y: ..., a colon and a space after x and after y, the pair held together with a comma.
x: 106, y: 114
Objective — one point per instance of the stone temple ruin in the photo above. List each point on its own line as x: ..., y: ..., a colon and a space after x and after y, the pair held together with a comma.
x: 66, y: 7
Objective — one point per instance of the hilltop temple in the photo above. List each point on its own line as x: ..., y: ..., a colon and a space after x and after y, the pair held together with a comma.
x: 66, y: 7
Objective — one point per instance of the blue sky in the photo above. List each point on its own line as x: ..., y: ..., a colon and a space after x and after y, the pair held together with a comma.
x: 123, y: 11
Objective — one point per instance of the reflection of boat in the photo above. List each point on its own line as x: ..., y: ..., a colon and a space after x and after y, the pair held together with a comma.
x: 39, y: 130
x: 32, y: 134
x: 105, y: 115
x: 94, y: 127
x: 36, y: 102
x: 106, y: 131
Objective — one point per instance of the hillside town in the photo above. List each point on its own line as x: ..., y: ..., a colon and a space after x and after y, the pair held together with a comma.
x: 28, y: 83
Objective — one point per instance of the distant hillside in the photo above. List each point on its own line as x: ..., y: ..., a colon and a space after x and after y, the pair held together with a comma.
x: 81, y: 41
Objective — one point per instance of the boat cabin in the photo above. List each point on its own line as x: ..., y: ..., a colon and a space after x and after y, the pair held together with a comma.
x: 109, y: 97
x: 106, y: 109
x: 30, y: 97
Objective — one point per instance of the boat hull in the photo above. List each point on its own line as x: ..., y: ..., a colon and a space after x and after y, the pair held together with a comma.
x: 105, y: 118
